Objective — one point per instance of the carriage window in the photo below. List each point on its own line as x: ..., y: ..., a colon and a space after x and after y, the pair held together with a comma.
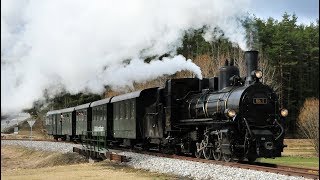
x: 97, y: 113
x: 115, y: 110
x: 105, y: 112
x: 123, y: 104
x: 93, y: 113
x: 127, y: 109
x: 132, y: 108
x: 121, y: 110
x: 100, y: 113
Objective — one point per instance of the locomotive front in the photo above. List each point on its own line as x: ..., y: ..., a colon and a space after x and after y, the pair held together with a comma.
x: 259, y: 118
x: 260, y: 122
x: 260, y: 114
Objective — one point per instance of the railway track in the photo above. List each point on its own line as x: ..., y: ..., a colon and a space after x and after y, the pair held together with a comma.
x: 310, y: 173
x: 266, y: 167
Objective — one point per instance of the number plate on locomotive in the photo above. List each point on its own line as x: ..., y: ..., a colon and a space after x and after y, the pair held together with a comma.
x: 260, y: 101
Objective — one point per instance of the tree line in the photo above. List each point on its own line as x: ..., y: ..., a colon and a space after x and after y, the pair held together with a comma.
x: 289, y: 58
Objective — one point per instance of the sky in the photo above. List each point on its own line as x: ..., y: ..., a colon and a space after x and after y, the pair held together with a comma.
x: 306, y: 10
x: 80, y: 44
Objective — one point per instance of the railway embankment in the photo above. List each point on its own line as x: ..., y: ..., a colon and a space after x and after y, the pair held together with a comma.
x: 153, y: 164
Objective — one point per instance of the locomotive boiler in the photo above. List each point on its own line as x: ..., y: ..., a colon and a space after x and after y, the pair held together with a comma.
x: 228, y: 116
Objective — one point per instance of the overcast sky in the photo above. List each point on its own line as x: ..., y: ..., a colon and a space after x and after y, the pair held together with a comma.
x: 306, y: 10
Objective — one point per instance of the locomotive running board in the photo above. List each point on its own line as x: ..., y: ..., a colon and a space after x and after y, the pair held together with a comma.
x: 207, y: 120
x: 200, y: 121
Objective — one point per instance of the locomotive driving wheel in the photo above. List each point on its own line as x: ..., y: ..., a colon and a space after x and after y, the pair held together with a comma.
x: 216, y: 151
x: 227, y: 157
x: 198, y: 152
x: 206, y: 148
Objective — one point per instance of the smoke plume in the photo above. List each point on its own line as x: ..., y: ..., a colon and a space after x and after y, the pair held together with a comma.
x: 85, y: 45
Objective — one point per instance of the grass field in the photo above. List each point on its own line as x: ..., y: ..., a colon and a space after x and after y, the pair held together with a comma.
x: 308, y: 162
x: 299, y: 153
x: 19, y: 163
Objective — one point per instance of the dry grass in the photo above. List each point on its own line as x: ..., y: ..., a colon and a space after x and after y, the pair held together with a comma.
x: 18, y: 157
x: 299, y: 148
x: 83, y: 171
x: 308, y: 121
x: 23, y: 163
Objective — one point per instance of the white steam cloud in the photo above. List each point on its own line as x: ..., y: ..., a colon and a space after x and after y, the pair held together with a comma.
x: 47, y: 44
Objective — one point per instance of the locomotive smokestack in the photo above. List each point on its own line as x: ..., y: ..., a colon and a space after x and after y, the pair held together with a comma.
x: 251, y: 58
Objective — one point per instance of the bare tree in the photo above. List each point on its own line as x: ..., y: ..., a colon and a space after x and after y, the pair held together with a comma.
x: 269, y: 72
x: 308, y: 121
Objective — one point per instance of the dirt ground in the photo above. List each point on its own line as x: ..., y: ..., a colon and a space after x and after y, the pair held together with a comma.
x: 22, y: 163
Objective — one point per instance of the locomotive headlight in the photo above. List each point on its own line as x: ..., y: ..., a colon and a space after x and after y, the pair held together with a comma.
x: 230, y: 113
x: 284, y: 112
x: 258, y: 74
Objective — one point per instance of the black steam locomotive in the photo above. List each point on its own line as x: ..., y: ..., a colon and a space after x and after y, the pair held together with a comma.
x: 225, y: 117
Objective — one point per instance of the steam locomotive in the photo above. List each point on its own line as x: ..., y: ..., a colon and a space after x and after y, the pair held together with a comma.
x: 222, y: 118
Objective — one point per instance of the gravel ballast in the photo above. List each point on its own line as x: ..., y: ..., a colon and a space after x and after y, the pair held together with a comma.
x: 194, y: 170
x: 43, y: 145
